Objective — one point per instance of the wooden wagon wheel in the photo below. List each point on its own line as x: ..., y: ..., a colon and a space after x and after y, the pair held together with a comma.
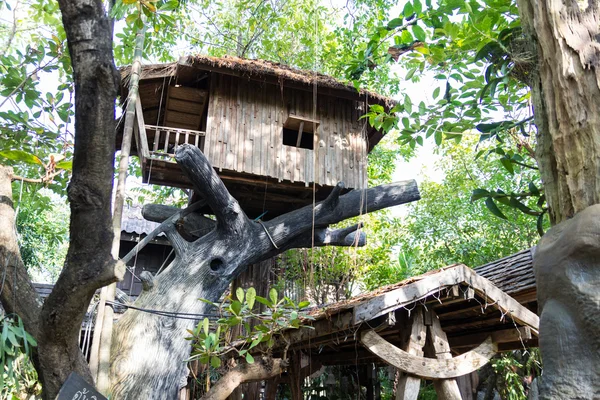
x: 442, y: 369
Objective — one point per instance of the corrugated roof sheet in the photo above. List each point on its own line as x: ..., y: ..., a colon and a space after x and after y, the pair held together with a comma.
x: 133, y: 222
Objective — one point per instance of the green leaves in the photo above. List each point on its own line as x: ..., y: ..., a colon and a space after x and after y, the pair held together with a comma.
x: 491, y: 205
x: 251, y: 297
x: 394, y: 23
x: 21, y: 156
x: 210, y: 340
x: 419, y: 33
x: 513, y: 200
x: 15, y: 349
x: 273, y: 295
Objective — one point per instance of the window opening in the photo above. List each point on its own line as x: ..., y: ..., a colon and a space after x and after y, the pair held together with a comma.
x: 298, y: 138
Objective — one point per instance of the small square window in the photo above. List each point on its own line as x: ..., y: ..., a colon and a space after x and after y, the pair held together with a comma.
x: 290, y: 138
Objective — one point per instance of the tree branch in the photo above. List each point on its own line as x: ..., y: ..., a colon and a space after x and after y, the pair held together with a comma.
x: 168, y: 226
x: 17, y: 293
x: 335, y: 209
x: 262, y: 369
x: 345, y: 237
x: 230, y: 217
x: 192, y: 225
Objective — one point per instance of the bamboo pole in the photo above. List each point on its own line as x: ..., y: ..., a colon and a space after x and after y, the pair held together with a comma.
x: 101, y: 343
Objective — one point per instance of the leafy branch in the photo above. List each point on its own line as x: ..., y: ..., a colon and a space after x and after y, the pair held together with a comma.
x: 213, y: 340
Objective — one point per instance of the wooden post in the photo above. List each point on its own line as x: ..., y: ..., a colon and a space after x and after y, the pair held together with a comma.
x: 446, y: 389
x: 369, y: 383
x: 295, y: 375
x: 101, y: 341
x: 409, y: 386
x: 300, y: 130
x: 271, y: 388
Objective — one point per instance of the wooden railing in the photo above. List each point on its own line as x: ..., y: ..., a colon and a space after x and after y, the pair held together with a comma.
x: 166, y: 140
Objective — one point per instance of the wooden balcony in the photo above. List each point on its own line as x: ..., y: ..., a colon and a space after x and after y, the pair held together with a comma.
x: 166, y: 140
x: 156, y: 150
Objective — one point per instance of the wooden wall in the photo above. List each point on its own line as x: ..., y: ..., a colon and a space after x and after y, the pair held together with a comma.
x: 245, y: 129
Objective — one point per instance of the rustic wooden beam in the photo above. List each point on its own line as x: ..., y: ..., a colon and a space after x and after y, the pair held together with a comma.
x: 446, y: 389
x: 432, y: 284
x: 408, y: 294
x: 300, y: 129
x: 506, y: 303
x: 143, y: 149
x: 504, y: 336
x: 408, y: 386
x: 429, y: 368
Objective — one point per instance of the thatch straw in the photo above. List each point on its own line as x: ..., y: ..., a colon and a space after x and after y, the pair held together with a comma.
x: 257, y: 69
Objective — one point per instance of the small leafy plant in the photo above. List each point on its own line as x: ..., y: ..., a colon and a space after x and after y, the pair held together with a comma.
x: 214, y: 339
x: 17, y: 374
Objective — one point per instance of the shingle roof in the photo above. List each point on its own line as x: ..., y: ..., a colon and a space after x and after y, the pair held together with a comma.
x: 512, y: 274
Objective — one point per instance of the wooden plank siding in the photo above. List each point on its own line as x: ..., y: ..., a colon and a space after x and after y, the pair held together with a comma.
x: 244, y: 133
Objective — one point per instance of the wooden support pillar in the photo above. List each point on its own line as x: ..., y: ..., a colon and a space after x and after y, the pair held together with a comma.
x: 295, y: 376
x: 271, y: 388
x: 300, y: 129
x: 446, y: 389
x: 369, y: 384
x: 408, y: 386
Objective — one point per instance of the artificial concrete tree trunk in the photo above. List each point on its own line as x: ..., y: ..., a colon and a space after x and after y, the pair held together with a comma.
x: 149, y: 351
x: 565, y: 86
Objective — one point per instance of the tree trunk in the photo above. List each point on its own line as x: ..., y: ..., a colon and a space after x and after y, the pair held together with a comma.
x: 148, y: 352
x: 56, y: 325
x: 566, y: 95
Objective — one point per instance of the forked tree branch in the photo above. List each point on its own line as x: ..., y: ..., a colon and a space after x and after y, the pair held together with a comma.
x: 254, y: 242
x: 229, y: 214
x: 17, y: 294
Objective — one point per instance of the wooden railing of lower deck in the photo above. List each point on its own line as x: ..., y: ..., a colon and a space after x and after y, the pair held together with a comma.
x: 163, y: 140
x: 166, y: 140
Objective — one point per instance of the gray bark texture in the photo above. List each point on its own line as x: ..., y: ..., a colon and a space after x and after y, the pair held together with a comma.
x: 148, y: 351
x: 567, y: 267
x: 565, y: 86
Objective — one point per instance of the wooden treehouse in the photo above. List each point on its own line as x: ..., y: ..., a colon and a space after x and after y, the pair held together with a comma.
x: 270, y: 131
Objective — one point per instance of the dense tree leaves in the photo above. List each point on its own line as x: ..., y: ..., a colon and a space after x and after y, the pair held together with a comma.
x: 450, y: 226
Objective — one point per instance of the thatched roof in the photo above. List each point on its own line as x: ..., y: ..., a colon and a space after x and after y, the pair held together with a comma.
x: 261, y: 70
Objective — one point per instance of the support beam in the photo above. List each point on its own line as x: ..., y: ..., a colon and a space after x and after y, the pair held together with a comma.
x: 504, y: 336
x: 300, y: 129
x: 408, y: 386
x: 408, y: 294
x: 429, y: 368
x: 446, y: 389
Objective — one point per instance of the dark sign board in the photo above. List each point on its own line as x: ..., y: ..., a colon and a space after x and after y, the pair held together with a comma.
x: 76, y: 388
